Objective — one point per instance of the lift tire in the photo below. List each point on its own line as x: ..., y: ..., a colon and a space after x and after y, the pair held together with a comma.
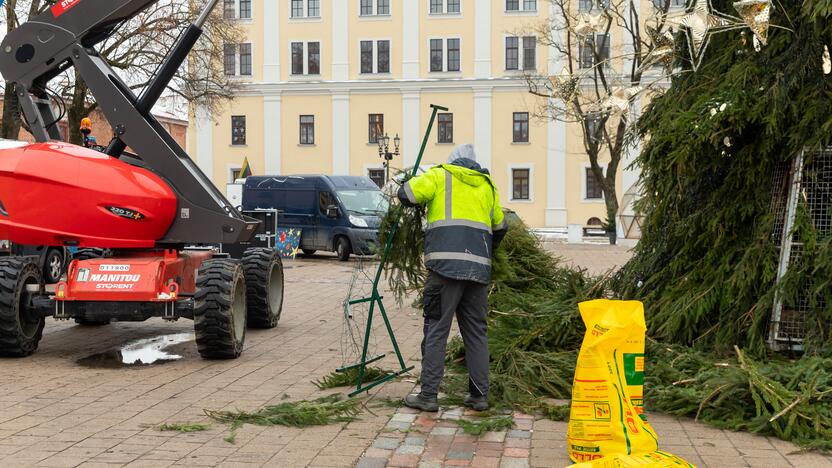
x: 20, y: 332
x: 220, y: 309
x: 264, y: 287
x: 91, y: 253
x: 343, y: 249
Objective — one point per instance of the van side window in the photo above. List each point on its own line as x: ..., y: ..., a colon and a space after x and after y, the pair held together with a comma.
x: 326, y: 200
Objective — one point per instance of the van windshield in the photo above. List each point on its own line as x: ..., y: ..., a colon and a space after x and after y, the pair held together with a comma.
x: 364, y: 202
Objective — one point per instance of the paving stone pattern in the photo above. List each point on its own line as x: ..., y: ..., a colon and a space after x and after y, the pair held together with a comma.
x: 56, y: 413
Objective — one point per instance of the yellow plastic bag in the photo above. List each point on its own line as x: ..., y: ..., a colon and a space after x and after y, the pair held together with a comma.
x: 606, y: 417
x: 649, y: 460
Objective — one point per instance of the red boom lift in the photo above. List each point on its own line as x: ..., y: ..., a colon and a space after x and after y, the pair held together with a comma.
x: 145, y: 209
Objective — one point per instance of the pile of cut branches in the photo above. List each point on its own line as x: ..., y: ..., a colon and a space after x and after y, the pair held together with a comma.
x: 535, y: 332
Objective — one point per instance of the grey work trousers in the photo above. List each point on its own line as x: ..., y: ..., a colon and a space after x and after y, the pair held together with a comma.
x: 444, y: 297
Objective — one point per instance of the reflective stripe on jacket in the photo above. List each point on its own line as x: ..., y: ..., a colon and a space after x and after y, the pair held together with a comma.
x: 463, y: 210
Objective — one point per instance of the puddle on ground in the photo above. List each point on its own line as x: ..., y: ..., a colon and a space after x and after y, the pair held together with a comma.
x: 138, y: 353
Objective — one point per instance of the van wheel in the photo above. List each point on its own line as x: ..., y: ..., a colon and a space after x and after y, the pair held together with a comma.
x: 53, y: 266
x: 342, y: 248
x: 309, y: 252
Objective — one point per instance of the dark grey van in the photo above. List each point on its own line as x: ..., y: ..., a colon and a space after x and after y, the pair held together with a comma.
x: 339, y: 214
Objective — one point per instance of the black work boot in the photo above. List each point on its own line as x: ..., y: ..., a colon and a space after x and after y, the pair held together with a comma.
x: 421, y: 402
x: 477, y: 403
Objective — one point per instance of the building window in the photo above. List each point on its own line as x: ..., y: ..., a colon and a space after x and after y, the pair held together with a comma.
x: 529, y: 53
x: 669, y: 4
x: 512, y: 53
x: 230, y: 59
x: 593, y: 186
x: 453, y: 55
x: 446, y: 128
x: 436, y: 55
x: 306, y: 8
x: 589, y: 46
x: 376, y: 127
x: 377, y: 176
x: 234, y: 54
x: 238, y: 130
x: 366, y: 56
x: 307, y: 129
x: 235, y: 174
x: 521, y: 127
x: 314, y: 58
x: 245, y: 59
x: 450, y: 7
x: 375, y: 7
x: 230, y: 9
x: 589, y: 5
x: 375, y: 63
x: 520, y: 180
x: 245, y: 9
x: 297, y: 8
x: 514, y: 59
x: 593, y: 128
x: 312, y: 64
x: 521, y: 5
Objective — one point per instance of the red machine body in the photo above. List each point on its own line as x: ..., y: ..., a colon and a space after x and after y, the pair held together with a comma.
x: 141, y: 276
x: 61, y: 194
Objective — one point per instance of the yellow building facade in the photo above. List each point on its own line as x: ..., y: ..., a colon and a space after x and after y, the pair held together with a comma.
x: 317, y: 76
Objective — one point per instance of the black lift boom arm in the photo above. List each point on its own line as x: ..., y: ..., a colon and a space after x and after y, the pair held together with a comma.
x: 65, y: 36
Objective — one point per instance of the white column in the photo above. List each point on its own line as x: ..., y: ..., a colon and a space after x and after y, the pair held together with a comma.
x: 482, y: 126
x: 272, y: 138
x: 556, y: 174
x: 556, y: 151
x: 271, y: 42
x: 205, y: 141
x: 631, y: 175
x: 410, y: 36
x: 340, y: 39
x: 341, y: 134
x: 482, y: 38
x: 411, y: 122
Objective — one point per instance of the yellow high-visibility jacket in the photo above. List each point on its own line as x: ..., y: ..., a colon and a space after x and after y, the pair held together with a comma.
x: 463, y: 211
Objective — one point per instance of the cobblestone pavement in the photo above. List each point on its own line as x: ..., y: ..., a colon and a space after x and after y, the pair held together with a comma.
x: 58, y: 413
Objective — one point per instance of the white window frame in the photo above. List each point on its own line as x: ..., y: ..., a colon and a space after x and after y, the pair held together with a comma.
x: 444, y: 40
x: 306, y: 74
x: 375, y: 42
x: 444, y: 13
x: 672, y: 6
x: 375, y: 13
x: 583, y: 197
x: 237, y: 12
x: 230, y: 168
x: 371, y: 167
x: 522, y: 8
x: 238, y: 63
x: 511, y: 168
x: 306, y: 16
x: 521, y: 54
x: 607, y: 61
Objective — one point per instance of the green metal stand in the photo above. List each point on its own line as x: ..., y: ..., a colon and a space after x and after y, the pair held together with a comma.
x: 376, y: 299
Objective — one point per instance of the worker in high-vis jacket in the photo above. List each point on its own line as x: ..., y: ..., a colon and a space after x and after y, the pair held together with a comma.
x: 464, y: 225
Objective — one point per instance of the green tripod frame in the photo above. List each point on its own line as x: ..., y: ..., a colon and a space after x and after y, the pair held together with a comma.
x: 376, y: 298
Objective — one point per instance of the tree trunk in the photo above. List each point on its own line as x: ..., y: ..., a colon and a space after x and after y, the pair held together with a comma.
x: 11, y: 126
x: 611, y: 200
x: 77, y: 111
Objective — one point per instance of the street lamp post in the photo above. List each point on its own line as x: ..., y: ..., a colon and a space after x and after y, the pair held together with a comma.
x: 384, y: 152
